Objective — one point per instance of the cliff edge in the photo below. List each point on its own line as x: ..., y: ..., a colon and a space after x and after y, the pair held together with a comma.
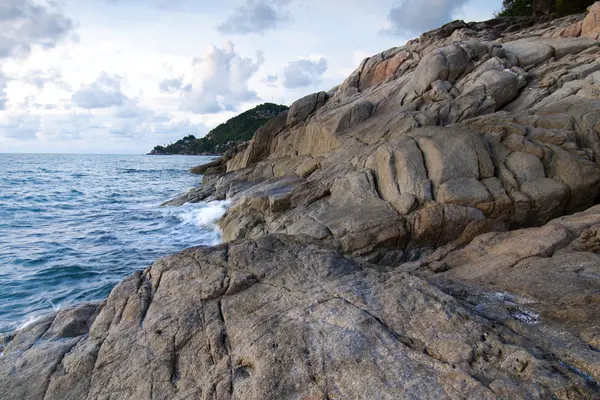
x: 427, y: 229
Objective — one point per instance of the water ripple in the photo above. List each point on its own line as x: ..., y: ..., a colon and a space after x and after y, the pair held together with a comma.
x: 72, y: 226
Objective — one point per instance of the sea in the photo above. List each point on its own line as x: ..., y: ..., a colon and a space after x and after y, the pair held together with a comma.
x: 73, y: 226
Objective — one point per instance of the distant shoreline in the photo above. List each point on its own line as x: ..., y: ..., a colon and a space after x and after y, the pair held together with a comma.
x: 195, y: 155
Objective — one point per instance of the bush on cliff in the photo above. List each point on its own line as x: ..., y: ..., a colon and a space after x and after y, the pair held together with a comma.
x: 517, y: 8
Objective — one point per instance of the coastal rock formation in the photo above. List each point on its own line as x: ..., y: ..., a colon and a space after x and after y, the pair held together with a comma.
x: 511, y: 315
x: 426, y: 229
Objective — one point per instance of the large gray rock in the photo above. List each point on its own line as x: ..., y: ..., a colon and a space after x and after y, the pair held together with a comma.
x: 301, y: 109
x: 284, y: 318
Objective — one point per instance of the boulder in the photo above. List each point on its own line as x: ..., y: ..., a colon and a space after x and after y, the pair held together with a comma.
x: 201, y: 169
x: 280, y: 317
x: 529, y: 52
x: 301, y: 109
x: 591, y: 24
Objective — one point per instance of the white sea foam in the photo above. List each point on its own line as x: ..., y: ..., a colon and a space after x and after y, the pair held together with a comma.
x: 203, y: 216
x: 30, y: 320
x: 206, y: 216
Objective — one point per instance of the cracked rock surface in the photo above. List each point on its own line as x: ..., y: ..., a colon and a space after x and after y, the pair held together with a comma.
x: 283, y: 317
x: 427, y: 229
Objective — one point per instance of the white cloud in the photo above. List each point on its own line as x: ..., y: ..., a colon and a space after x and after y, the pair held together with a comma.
x: 170, y: 85
x: 255, y: 16
x: 219, y: 81
x: 161, y: 97
x: 22, y: 127
x: 270, y: 80
x: 303, y: 73
x: 25, y: 24
x: 40, y: 79
x: 3, y: 97
x: 103, y: 93
x: 413, y: 17
x: 69, y: 126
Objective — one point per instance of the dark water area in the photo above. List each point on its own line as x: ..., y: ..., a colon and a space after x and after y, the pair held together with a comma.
x: 72, y: 226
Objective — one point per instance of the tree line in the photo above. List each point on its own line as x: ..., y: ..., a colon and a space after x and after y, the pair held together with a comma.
x: 516, y: 8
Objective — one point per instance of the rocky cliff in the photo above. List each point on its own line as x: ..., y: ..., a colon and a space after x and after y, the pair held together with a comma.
x: 427, y: 229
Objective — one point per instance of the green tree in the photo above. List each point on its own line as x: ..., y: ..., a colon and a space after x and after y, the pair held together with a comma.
x: 517, y: 8
x: 567, y: 7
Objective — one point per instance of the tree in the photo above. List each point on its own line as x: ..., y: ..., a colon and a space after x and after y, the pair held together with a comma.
x: 543, y: 7
x: 517, y: 8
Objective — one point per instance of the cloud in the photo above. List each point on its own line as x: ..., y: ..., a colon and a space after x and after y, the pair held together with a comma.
x: 131, y: 109
x: 71, y: 126
x: 255, y: 16
x: 23, y: 127
x: 40, y: 79
x: 413, y: 17
x: 158, y: 125
x: 171, y: 85
x: 3, y: 98
x: 103, y: 93
x: 180, y: 129
x: 270, y: 80
x: 220, y: 81
x: 25, y: 24
x: 302, y: 73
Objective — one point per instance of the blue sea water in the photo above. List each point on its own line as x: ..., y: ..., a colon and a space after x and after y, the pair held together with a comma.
x: 72, y: 226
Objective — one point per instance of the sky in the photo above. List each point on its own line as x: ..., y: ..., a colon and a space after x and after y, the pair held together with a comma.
x: 121, y: 76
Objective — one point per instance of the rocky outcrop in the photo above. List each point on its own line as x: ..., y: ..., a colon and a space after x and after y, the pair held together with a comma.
x: 470, y: 123
x: 591, y: 24
x: 511, y: 315
x: 427, y: 229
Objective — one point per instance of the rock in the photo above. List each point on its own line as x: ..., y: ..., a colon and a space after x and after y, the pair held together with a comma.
x: 301, y: 109
x: 454, y: 154
x: 548, y: 197
x: 463, y: 191
x: 355, y: 115
x: 502, y: 86
x: 447, y: 64
x: 528, y: 52
x: 202, y: 169
x: 385, y: 239
x: 382, y: 70
x: 525, y: 167
x: 591, y: 24
x: 261, y: 143
x: 282, y: 304
x: 307, y: 167
x: 543, y: 279
x: 573, y: 30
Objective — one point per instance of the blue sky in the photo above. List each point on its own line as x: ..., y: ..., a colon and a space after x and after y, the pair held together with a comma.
x: 120, y: 76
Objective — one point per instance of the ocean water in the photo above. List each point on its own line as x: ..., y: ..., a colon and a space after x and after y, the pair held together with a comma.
x: 72, y: 226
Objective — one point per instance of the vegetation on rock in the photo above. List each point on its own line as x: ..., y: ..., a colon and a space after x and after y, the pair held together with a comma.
x: 516, y: 8
x: 225, y: 136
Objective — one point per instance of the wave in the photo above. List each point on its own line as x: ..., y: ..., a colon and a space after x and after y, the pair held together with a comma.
x: 203, y: 215
x: 150, y: 171
x: 31, y: 319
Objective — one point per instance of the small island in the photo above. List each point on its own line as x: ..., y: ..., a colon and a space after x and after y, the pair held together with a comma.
x: 229, y: 134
